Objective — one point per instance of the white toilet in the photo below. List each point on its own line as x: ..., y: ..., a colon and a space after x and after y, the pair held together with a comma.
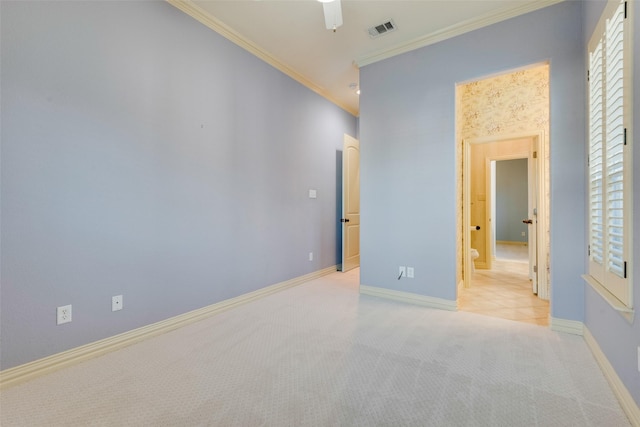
x: 474, y: 255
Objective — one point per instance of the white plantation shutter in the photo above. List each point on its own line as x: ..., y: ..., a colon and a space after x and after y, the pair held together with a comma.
x: 609, y: 155
x: 614, y: 78
x: 595, y: 161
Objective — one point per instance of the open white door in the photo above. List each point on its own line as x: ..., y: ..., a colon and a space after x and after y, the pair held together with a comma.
x: 532, y: 220
x: 350, y: 204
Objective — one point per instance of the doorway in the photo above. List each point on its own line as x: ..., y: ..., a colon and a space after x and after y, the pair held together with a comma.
x: 513, y: 208
x: 501, y: 201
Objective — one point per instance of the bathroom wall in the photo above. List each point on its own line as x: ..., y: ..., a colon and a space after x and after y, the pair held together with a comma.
x: 511, y: 200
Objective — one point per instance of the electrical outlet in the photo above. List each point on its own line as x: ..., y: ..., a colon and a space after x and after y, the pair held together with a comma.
x: 64, y: 314
x: 410, y: 272
x: 310, y: 256
x: 116, y: 303
x: 524, y: 234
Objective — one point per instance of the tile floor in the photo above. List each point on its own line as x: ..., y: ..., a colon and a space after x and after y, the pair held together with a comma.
x: 505, y: 290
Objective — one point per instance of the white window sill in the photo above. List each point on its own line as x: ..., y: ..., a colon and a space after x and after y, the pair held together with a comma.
x: 614, y: 302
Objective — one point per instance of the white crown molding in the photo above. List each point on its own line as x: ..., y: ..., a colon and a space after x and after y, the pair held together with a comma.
x: 454, y: 30
x: 19, y: 374
x: 204, y: 17
x: 627, y: 402
x: 410, y: 298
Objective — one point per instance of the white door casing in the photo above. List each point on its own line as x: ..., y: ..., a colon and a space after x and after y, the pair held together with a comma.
x: 533, y: 229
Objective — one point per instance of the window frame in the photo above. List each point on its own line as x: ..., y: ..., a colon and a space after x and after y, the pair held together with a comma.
x: 614, y: 288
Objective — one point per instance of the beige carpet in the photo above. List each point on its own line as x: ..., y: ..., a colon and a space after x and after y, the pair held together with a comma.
x: 322, y: 355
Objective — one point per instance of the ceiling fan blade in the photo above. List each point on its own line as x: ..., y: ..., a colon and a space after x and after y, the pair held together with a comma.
x: 332, y: 14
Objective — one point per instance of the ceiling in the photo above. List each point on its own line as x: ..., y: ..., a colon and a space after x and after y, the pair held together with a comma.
x: 291, y: 34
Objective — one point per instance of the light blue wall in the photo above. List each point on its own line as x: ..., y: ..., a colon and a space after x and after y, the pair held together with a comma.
x: 512, y: 200
x: 408, y: 165
x: 618, y: 338
x: 145, y: 155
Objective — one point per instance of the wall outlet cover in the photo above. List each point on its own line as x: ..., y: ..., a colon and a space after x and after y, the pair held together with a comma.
x: 63, y: 314
x: 410, y: 272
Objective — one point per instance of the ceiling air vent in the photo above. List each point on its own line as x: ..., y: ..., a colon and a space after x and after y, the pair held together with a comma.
x: 384, y: 28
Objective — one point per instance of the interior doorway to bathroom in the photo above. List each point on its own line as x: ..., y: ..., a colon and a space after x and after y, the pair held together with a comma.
x: 501, y: 205
x: 490, y: 112
x: 513, y: 211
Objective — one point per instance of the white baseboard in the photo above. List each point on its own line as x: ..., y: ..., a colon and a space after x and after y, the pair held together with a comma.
x: 411, y: 298
x: 567, y: 326
x: 510, y: 242
x: 629, y: 405
x: 28, y: 371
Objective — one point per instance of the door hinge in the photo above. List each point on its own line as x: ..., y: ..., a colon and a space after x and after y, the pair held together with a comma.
x: 535, y: 268
x: 625, y: 136
x: 535, y: 154
x: 589, y: 250
x: 625, y: 269
x: 588, y: 75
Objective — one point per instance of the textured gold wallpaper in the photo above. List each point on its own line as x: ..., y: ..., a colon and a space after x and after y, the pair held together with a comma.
x: 508, y: 104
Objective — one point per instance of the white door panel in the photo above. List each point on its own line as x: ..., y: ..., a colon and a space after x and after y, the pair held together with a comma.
x: 350, y: 204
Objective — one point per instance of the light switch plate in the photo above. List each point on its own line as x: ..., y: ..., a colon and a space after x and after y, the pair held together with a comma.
x: 313, y: 194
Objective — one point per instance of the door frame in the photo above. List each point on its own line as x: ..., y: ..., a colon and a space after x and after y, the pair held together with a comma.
x: 538, y: 137
x: 491, y: 197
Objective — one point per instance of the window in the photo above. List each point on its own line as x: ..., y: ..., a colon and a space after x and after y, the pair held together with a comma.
x: 609, y: 129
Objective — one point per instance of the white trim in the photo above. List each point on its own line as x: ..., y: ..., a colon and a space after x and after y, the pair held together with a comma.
x: 509, y: 242
x: 453, y: 31
x: 629, y: 406
x: 567, y: 326
x: 28, y: 371
x: 204, y: 17
x: 606, y: 295
x: 410, y: 298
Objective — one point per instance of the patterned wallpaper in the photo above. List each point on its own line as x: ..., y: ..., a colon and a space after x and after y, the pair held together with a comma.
x: 508, y: 104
